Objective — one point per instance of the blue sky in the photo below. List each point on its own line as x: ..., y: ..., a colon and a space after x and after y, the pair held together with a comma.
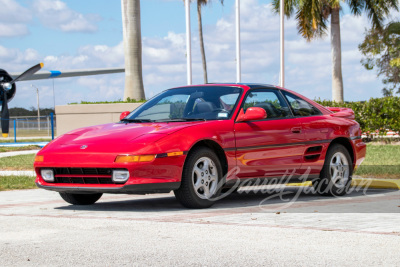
x: 88, y: 34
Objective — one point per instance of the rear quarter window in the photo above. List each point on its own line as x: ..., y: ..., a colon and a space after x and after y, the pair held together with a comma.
x: 301, y: 107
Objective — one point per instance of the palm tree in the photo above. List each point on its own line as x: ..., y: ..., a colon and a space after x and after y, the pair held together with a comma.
x: 133, y: 49
x: 312, y: 17
x: 201, y: 3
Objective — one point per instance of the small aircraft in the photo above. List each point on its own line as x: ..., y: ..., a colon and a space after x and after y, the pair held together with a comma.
x: 8, y: 87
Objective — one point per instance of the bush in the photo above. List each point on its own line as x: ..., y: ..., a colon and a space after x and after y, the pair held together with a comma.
x: 374, y: 115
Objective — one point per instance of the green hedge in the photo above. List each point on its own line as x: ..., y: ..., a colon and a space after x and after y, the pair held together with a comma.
x: 376, y: 114
x: 109, y: 102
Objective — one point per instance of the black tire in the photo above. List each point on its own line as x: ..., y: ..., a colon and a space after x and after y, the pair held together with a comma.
x: 336, y: 175
x: 80, y: 199
x: 199, y: 198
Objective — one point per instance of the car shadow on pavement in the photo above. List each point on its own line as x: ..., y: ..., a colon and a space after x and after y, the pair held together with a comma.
x: 291, y: 199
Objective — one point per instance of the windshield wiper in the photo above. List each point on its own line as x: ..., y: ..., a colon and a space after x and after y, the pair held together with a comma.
x: 136, y: 120
x: 181, y: 119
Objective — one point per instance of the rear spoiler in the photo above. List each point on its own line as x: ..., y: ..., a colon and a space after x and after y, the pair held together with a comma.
x: 346, y: 113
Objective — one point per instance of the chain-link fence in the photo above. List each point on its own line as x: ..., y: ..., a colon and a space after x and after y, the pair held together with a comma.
x: 24, y: 126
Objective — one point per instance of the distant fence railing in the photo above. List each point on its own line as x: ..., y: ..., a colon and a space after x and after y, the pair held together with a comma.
x: 24, y: 126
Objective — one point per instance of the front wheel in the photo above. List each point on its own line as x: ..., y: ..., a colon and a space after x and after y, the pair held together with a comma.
x: 80, y: 199
x: 335, y: 177
x: 201, y: 175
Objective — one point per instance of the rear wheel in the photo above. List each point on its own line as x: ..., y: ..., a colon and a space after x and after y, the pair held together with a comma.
x: 200, y: 177
x: 80, y: 199
x: 336, y: 175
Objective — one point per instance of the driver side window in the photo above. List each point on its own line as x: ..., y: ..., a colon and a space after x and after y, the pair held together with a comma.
x: 270, y: 101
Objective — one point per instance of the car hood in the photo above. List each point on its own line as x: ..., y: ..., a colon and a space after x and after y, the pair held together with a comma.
x: 122, y: 133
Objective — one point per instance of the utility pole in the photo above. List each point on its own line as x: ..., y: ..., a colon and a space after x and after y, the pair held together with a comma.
x: 38, y: 106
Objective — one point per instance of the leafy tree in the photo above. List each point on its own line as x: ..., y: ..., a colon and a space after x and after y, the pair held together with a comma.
x: 312, y: 17
x: 381, y: 49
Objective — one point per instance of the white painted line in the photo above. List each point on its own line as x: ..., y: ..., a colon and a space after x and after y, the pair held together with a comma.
x: 17, y: 153
x: 17, y: 173
x: 21, y: 144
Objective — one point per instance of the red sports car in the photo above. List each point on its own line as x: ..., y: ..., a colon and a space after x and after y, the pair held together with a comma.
x: 201, y: 140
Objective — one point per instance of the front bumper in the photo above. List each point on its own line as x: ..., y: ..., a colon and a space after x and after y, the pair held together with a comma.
x: 360, y: 149
x: 159, y: 176
x: 139, y: 189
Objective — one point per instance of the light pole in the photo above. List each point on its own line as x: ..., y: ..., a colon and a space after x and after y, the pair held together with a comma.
x: 238, y: 62
x: 188, y: 43
x: 38, y: 106
x: 282, y: 43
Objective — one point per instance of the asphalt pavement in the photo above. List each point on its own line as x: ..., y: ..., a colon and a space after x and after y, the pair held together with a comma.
x: 275, y: 226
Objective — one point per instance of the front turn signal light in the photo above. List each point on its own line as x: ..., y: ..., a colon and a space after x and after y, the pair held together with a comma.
x: 133, y: 158
x: 39, y: 158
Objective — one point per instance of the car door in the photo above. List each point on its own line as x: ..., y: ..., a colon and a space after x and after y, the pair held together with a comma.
x: 316, y: 129
x: 271, y: 147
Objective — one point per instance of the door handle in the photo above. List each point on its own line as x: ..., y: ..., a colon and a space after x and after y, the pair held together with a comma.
x: 296, y: 130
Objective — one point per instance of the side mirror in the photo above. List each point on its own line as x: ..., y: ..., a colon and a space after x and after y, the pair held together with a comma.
x: 123, y: 115
x: 252, y: 114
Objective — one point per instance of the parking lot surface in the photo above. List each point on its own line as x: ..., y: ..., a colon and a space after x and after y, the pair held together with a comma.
x: 294, y: 227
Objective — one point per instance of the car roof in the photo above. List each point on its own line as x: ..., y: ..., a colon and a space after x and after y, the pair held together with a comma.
x: 250, y: 85
x: 243, y: 85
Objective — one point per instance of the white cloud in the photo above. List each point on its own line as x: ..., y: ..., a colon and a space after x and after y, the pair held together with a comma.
x: 101, y: 85
x: 56, y: 14
x: 13, y: 19
x: 13, y: 29
x: 15, y: 60
x: 12, y: 12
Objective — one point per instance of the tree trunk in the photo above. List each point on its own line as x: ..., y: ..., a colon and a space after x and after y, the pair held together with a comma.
x: 203, y: 53
x: 133, y: 49
x: 337, y: 80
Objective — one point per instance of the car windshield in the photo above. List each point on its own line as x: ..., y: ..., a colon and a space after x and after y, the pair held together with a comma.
x: 188, y: 104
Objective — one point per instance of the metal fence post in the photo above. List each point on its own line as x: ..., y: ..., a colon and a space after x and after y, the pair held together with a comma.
x: 48, y: 125
x: 52, y: 125
x: 15, y: 130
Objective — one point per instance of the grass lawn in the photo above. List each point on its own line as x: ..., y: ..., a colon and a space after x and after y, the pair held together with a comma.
x: 16, y: 163
x: 16, y: 182
x: 22, y: 148
x: 382, y: 161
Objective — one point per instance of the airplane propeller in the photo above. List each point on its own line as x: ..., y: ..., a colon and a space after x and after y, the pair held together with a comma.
x: 7, y: 92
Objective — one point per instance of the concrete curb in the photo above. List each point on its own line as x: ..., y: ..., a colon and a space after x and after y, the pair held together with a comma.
x: 365, y: 182
x: 377, y: 183
x: 17, y: 153
x: 21, y: 144
x: 18, y: 173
